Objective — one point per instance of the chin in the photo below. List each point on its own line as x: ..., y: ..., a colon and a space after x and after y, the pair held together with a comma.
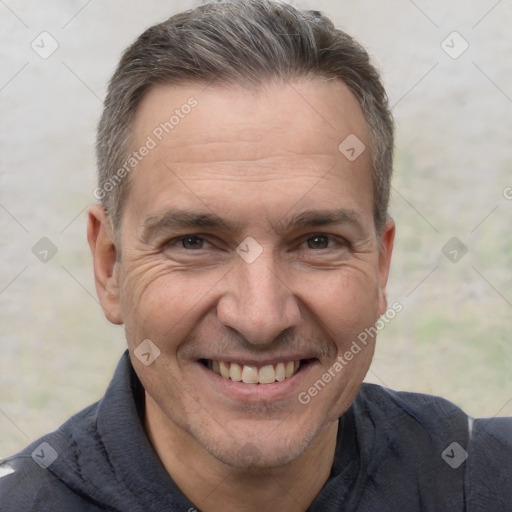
x: 254, y: 452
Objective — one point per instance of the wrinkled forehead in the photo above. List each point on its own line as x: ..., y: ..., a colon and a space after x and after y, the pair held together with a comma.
x: 312, y: 130
x: 188, y: 116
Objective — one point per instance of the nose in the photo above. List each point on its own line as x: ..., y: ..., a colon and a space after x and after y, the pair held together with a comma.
x: 258, y: 303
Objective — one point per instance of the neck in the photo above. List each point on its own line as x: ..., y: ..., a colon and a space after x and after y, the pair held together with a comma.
x: 214, y: 486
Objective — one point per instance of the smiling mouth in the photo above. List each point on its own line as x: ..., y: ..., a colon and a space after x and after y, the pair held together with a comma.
x: 250, y: 374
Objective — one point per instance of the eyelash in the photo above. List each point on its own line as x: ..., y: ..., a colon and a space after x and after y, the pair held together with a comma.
x: 331, y: 238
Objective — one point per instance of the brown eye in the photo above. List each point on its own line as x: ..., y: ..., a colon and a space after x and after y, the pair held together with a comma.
x: 192, y: 242
x: 318, y: 242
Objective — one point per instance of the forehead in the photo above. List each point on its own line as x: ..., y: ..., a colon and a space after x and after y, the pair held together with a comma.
x: 274, y: 136
x: 235, y: 114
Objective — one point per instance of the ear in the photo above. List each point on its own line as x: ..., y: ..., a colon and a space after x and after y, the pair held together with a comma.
x: 106, y: 267
x: 387, y: 238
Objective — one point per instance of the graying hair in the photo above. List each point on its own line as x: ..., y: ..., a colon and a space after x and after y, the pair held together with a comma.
x: 245, y: 42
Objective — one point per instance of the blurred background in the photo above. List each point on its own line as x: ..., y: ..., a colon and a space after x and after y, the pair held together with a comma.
x: 447, y: 68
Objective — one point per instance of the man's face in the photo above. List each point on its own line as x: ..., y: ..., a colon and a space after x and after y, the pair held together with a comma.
x: 248, y: 240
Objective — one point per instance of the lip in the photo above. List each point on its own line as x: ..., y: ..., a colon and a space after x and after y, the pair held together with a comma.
x: 254, y: 393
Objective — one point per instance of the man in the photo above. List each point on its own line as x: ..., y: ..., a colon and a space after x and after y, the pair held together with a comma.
x: 245, y: 156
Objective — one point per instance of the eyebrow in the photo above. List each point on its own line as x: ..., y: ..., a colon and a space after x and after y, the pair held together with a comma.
x: 313, y: 218
x: 181, y: 219
x: 177, y: 219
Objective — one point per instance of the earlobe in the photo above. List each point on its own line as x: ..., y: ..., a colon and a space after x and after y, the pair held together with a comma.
x: 106, y: 267
x: 387, y: 238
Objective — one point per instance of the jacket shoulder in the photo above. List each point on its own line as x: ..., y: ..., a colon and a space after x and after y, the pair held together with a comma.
x: 489, y: 465
x: 432, y: 412
x: 26, y: 479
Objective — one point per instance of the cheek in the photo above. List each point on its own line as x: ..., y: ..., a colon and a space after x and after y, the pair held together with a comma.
x: 345, y: 303
x: 347, y: 311
x: 160, y: 302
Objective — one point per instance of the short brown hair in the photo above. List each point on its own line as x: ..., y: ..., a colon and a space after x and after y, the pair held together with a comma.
x: 240, y: 42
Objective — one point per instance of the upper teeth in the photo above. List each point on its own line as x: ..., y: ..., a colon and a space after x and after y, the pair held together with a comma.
x: 254, y: 374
